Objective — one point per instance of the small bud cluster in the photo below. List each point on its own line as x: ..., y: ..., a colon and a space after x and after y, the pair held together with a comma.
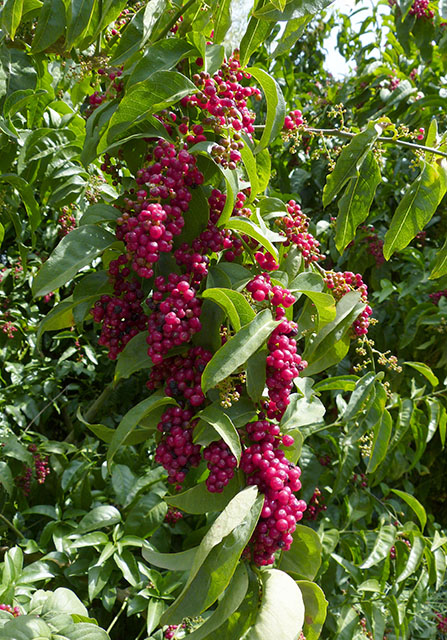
x: 221, y: 463
x: 360, y: 479
x: 8, y: 327
x: 315, y: 506
x: 293, y: 120
x: 176, y: 451
x: 340, y: 284
x: 266, y: 466
x: 175, y: 315
x: 15, y: 611
x: 295, y: 225
x: 169, y: 632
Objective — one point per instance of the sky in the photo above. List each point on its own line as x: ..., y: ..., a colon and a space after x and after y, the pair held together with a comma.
x: 335, y: 63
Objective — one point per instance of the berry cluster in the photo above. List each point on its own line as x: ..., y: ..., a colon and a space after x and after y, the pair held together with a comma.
x: 15, y: 611
x: 114, y: 89
x: 437, y: 295
x: 340, y: 284
x: 182, y: 376
x: 261, y: 289
x: 441, y: 622
x: 420, y: 9
x: 393, y: 548
x: 224, y: 101
x: 169, y: 632
x: 293, y: 120
x: 175, y: 315
x: 295, y: 226
x: 283, y: 365
x: 66, y: 222
x: 9, y: 328
x: 315, y: 506
x: 172, y: 516
x: 221, y: 463
x: 176, y: 451
x: 41, y: 471
x: 266, y: 466
x: 121, y: 315
x: 266, y: 261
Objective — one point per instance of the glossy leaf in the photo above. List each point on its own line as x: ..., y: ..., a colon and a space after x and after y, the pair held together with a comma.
x: 440, y: 268
x: 350, y: 161
x: 80, y: 14
x: 76, y: 250
x: 354, y: 205
x: 133, y: 357
x: 99, y: 517
x: 249, y: 228
x: 426, y: 372
x: 315, y: 606
x: 256, y: 375
x: 199, y: 500
x: 27, y: 195
x: 11, y: 16
x: 133, y: 418
x: 236, y: 351
x: 234, y: 304
x: 181, y: 561
x: 255, y: 34
x: 223, y: 426
x: 414, y: 558
x: 414, y: 504
x: 359, y: 396
x: 281, y: 611
x: 417, y: 207
x: 276, y: 107
x: 381, y: 438
x: 304, y: 556
x: 385, y: 540
x: 98, y: 213
x: 161, y: 56
x: 50, y: 26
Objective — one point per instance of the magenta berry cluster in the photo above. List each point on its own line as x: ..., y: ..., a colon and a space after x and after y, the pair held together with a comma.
x: 175, y: 315
x: 173, y: 516
x: 284, y: 364
x: 113, y: 89
x: 340, y: 284
x: 437, y: 295
x: 266, y: 466
x: 15, y: 611
x: 441, y: 622
x: 176, y: 451
x: 66, y: 222
x: 295, y: 226
x: 262, y: 289
x: 40, y: 472
x: 420, y: 9
x: 221, y: 463
x: 293, y: 120
x: 315, y: 505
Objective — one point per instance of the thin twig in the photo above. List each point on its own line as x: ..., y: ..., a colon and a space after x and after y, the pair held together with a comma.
x: 18, y: 533
x: 44, y: 409
x: 112, y: 624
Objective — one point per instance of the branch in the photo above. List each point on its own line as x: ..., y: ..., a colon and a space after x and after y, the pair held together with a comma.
x: 18, y: 533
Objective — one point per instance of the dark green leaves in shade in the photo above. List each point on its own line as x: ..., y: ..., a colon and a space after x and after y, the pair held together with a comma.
x: 440, y: 267
x: 50, y: 27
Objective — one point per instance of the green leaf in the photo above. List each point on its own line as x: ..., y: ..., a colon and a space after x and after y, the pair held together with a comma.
x: 11, y: 16
x: 76, y: 250
x: 26, y: 628
x: 221, y: 20
x: 315, y: 606
x: 440, y: 565
x: 222, y: 425
x: 440, y: 268
x: 50, y: 27
x: 414, y: 504
x: 293, y: 9
x: 27, y: 195
x: 227, y: 605
x: 350, y: 160
x: 414, y: 558
x: 80, y: 14
x: 332, y: 343
x: 146, y: 516
x: 251, y: 169
x: 425, y: 370
x: 106, y: 433
x: 294, y: 30
x: 158, y: 92
x: 265, y: 237
x: 381, y: 438
x: 99, y: 517
x: 6, y: 479
x: 161, y: 56
x: 324, y: 304
x: 215, y: 563
x: 181, y: 561
x: 382, y: 545
x: 138, y: 31
x: 256, y: 375
x: 199, y: 500
x: 256, y: 33
x: 236, y: 351
x: 155, y: 609
x: 234, y: 304
x: 64, y: 601
x: 303, y: 559
x: 354, y: 205
x: 359, y: 396
x: 281, y: 611
x: 98, y: 213
x: 133, y: 357
x: 302, y: 411
x: 276, y: 107
x: 133, y: 418
x: 417, y: 207
x: 342, y: 383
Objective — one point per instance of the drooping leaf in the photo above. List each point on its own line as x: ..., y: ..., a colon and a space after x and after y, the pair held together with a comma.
x: 414, y: 504
x: 99, y: 517
x: 425, y: 370
x: 315, y: 606
x: 50, y: 26
x: 385, y: 540
x: 11, y: 16
x: 276, y: 107
x: 234, y: 304
x: 381, y: 438
x: 223, y: 426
